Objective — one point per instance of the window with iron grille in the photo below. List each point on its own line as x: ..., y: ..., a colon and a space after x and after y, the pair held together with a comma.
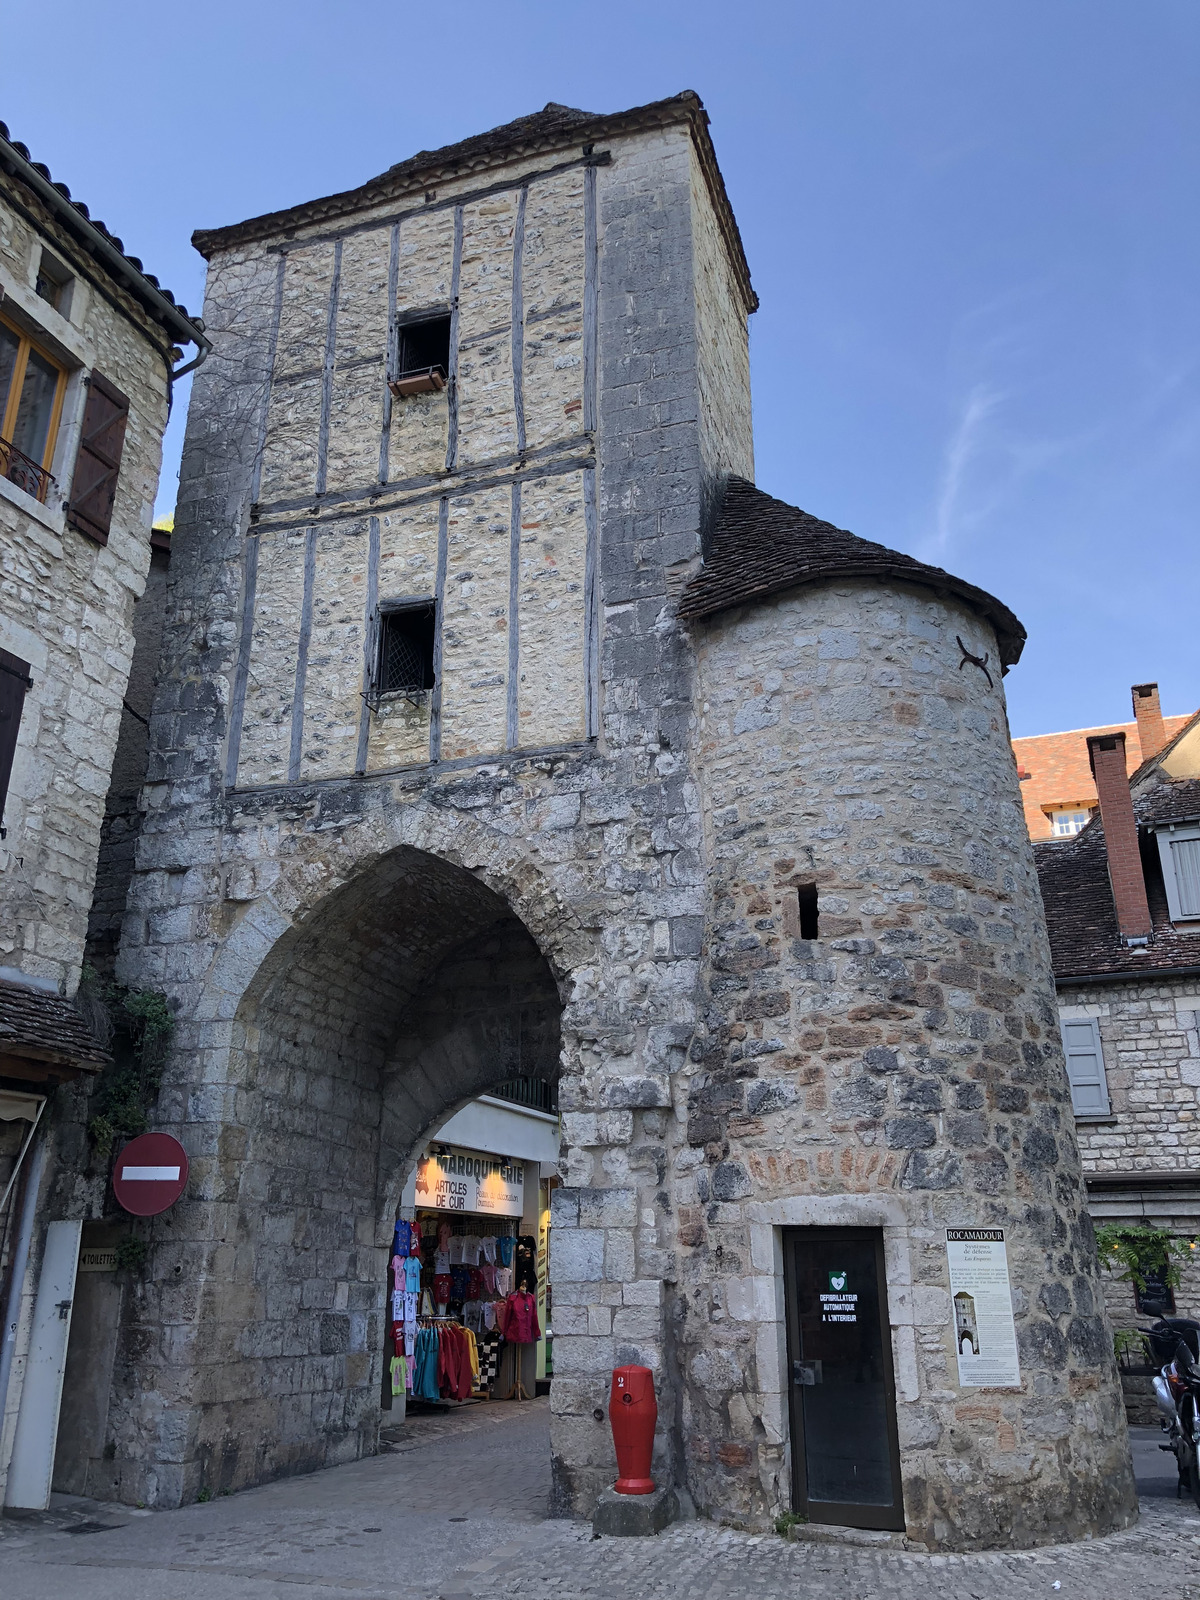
x: 406, y: 636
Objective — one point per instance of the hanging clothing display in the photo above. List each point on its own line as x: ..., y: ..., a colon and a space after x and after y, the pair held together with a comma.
x: 520, y: 1325
x: 459, y: 1290
x: 489, y: 1357
x: 425, y: 1377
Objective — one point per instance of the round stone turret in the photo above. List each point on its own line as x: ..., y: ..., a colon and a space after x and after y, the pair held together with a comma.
x: 881, y: 1048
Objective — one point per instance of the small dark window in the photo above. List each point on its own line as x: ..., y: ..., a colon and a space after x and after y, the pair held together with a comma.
x: 53, y: 283
x: 806, y: 896
x: 425, y: 345
x: 406, y: 650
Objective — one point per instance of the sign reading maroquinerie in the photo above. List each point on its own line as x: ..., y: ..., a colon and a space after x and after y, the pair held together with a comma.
x: 467, y: 1180
x: 985, y: 1338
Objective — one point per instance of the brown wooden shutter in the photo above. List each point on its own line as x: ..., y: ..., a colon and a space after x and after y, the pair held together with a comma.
x: 14, y: 680
x: 99, y: 459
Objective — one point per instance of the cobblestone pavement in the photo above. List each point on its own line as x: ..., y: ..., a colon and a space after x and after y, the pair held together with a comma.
x: 455, y: 1510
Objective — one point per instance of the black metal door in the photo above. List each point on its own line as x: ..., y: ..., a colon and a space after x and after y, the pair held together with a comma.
x: 845, y: 1454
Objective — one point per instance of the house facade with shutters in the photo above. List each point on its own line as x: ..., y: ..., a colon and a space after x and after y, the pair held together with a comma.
x: 89, y: 344
x: 1122, y: 905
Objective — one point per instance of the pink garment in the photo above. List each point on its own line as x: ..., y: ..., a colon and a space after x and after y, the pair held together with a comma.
x: 521, y: 1319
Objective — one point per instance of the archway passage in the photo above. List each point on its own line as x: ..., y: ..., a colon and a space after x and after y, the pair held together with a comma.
x: 409, y: 991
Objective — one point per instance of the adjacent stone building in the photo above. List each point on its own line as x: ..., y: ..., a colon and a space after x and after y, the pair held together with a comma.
x: 506, y: 728
x: 89, y: 344
x: 1123, y: 907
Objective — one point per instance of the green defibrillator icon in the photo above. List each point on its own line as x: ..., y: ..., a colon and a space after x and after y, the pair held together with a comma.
x: 837, y: 1281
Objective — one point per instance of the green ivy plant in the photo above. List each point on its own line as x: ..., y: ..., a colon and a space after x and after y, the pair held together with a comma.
x: 1131, y: 1251
x: 137, y: 1025
x: 131, y: 1253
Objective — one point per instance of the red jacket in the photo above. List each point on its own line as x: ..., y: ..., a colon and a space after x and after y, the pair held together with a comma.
x: 520, y: 1324
x: 454, y: 1364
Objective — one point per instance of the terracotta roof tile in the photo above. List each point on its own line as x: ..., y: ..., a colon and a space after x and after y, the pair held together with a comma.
x: 1059, y: 774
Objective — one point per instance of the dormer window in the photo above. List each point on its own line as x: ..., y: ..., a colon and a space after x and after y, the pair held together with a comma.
x: 424, y: 356
x: 1066, y: 824
x: 1179, y: 852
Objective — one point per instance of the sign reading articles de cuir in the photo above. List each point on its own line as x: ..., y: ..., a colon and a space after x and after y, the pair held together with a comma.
x: 985, y: 1338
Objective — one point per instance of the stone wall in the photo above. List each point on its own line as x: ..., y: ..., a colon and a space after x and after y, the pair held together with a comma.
x: 723, y: 349
x: 122, y: 819
x: 506, y: 559
x: 1151, y: 1044
x: 354, y: 936
x: 594, y: 849
x: 1151, y: 1047
x: 901, y: 1070
x: 66, y: 607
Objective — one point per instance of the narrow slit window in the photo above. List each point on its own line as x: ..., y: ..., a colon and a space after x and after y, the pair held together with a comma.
x: 806, y: 896
x: 406, y: 639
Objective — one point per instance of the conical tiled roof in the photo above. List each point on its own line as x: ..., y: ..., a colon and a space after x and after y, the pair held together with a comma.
x: 761, y: 546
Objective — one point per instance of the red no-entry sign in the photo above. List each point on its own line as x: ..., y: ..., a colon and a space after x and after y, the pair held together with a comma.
x: 151, y: 1173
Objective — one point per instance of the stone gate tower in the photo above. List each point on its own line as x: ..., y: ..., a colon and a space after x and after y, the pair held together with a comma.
x: 503, y: 726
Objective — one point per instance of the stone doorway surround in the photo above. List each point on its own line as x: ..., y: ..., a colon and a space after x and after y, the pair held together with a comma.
x: 916, y: 1312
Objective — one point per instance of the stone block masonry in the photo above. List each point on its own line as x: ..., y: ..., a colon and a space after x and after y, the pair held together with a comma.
x: 578, y: 856
x: 66, y: 607
x: 901, y: 1068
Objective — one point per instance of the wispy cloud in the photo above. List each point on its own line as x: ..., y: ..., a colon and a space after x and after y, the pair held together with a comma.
x: 967, y: 443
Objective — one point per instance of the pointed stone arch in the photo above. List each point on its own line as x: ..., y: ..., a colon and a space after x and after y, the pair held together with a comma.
x: 372, y: 989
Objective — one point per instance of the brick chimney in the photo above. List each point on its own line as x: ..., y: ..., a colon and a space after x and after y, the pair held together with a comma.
x: 1106, y: 753
x: 1152, y: 735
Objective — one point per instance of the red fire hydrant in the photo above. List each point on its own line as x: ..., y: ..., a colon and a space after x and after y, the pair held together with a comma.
x: 633, y: 1411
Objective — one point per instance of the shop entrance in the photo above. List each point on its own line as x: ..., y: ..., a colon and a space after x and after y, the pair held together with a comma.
x: 845, y: 1452
x: 468, y: 1282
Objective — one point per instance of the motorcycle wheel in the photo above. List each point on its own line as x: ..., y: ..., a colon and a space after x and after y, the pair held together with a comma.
x: 1191, y: 1425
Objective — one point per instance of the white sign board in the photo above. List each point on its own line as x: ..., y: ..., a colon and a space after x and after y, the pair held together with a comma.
x: 468, y: 1180
x: 985, y: 1338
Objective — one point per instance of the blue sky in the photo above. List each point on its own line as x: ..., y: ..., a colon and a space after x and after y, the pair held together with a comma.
x: 973, y: 227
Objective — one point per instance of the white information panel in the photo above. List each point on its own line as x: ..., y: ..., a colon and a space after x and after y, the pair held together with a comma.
x: 984, y: 1335
x: 468, y: 1180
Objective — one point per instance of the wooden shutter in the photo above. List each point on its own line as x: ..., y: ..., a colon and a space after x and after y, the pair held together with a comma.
x: 14, y: 680
x: 1085, y: 1067
x: 99, y: 459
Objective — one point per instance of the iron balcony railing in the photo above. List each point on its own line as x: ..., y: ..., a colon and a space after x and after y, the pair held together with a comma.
x: 535, y: 1093
x: 26, y: 474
